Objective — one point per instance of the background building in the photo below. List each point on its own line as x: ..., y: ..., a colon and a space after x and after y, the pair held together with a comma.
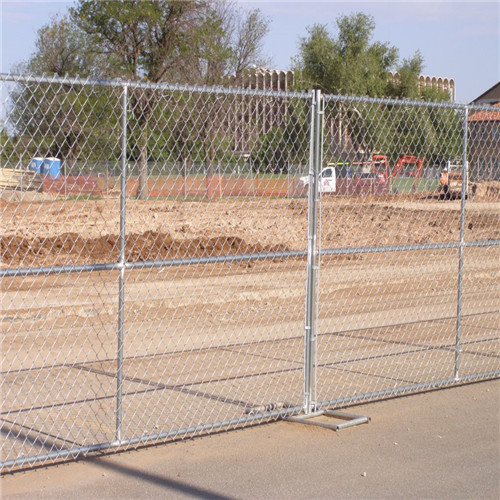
x: 484, y: 137
x: 429, y: 82
x: 256, y: 117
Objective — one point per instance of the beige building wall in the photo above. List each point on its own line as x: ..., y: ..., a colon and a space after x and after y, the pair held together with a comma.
x: 429, y: 82
x: 279, y: 80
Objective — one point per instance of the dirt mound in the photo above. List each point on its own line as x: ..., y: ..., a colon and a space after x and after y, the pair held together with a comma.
x: 73, y: 248
x: 488, y: 190
x: 86, y: 232
x: 13, y: 195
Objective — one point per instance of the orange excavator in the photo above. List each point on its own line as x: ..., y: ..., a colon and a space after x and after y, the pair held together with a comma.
x: 408, y: 160
x: 380, y: 166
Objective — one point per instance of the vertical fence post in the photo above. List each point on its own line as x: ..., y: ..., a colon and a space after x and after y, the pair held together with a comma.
x: 464, y: 195
x: 312, y: 222
x: 121, y: 290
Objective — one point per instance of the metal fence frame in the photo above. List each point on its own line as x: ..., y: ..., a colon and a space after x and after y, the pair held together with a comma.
x: 313, y: 256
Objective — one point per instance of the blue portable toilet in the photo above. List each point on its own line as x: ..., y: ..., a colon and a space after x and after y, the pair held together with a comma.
x: 52, y: 167
x: 36, y: 165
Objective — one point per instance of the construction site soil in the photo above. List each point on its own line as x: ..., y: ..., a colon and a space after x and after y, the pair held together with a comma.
x: 42, y: 231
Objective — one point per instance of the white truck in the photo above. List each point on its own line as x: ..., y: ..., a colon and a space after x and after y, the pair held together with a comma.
x: 327, y: 180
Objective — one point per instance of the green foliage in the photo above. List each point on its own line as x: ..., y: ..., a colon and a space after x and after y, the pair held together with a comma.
x: 66, y: 121
x: 144, y: 39
x: 83, y: 197
x: 64, y: 50
x: 7, y: 146
x: 271, y: 154
x: 434, y: 95
x: 347, y: 64
x: 409, y: 72
x: 284, y: 145
x: 314, y: 65
x: 172, y: 40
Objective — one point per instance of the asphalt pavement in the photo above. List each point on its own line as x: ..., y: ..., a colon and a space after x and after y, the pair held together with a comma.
x: 443, y: 444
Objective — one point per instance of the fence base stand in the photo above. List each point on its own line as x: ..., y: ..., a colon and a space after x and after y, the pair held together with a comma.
x: 350, y: 419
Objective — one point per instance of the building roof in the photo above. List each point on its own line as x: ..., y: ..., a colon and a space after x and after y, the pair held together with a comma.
x: 491, y: 96
x: 486, y: 115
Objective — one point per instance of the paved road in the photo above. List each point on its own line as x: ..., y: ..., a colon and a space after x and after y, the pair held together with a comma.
x: 442, y: 444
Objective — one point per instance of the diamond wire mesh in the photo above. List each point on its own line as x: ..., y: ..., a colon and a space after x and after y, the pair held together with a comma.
x: 57, y: 325
x: 387, y: 319
x: 214, y: 341
x: 215, y: 253
x: 481, y: 296
x: 212, y: 316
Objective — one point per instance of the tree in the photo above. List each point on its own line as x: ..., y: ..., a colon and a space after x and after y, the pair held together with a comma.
x: 145, y: 40
x: 63, y: 49
x: 347, y: 63
x: 229, y: 43
x: 284, y: 144
x: 246, y: 40
x: 58, y: 119
x: 168, y: 40
x: 7, y: 146
x: 408, y: 72
x: 174, y: 41
x: 70, y: 116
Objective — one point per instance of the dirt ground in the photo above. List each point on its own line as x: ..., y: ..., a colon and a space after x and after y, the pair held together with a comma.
x: 55, y: 232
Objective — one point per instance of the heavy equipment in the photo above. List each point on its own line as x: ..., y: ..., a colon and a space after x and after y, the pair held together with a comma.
x: 404, y: 177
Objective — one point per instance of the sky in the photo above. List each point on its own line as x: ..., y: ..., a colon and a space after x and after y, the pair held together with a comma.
x: 457, y: 39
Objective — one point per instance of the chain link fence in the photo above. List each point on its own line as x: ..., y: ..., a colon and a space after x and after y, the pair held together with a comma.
x: 180, y: 260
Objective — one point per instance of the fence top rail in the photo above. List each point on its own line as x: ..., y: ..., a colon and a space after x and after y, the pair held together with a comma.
x: 8, y: 77
x: 406, y: 102
x: 171, y: 87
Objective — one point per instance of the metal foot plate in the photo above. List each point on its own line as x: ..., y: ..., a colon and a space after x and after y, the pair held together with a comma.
x: 349, y: 419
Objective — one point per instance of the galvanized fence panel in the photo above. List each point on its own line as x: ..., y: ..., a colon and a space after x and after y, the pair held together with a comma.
x: 408, y: 284
x: 213, y: 307
x: 59, y: 313
x: 175, y: 260
x: 151, y: 288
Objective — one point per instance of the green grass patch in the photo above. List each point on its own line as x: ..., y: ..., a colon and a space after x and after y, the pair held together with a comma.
x: 83, y: 197
x: 408, y: 185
